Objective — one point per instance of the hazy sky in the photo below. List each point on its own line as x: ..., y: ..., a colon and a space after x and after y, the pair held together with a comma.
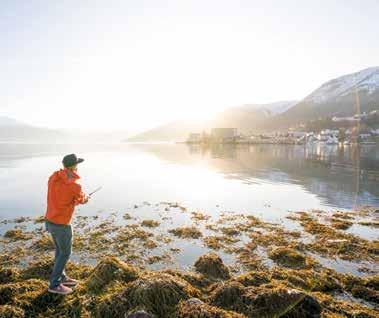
x: 136, y: 64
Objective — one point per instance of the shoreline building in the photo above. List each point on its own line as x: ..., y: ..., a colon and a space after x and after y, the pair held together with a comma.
x: 224, y: 134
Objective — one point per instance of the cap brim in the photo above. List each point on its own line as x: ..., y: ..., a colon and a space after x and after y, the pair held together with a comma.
x: 80, y: 160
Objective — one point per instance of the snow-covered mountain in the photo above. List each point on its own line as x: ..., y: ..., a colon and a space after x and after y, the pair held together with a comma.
x: 271, y: 109
x: 365, y: 81
x: 343, y: 96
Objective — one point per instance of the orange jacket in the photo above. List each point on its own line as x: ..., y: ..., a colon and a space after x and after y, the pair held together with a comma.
x: 63, y: 194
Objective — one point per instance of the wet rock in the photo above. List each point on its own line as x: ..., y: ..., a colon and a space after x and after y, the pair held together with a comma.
x: 212, y: 266
x: 139, y: 314
x: 193, y: 301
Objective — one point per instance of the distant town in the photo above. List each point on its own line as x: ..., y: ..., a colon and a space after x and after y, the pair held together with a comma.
x: 351, y: 130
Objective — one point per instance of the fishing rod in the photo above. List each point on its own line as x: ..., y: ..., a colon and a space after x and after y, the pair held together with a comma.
x: 99, y: 188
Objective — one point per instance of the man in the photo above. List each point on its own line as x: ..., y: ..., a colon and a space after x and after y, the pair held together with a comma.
x: 64, y: 193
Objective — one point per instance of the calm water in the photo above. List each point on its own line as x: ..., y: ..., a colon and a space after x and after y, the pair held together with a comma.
x: 266, y: 180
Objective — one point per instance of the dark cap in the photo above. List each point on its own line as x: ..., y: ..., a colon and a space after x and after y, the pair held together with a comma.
x: 71, y: 160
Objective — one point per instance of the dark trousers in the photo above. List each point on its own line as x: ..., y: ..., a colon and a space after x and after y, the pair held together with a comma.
x: 62, y: 237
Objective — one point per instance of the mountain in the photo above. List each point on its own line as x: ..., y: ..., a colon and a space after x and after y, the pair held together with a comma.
x: 13, y: 130
x: 365, y: 81
x: 343, y: 96
x: 271, y: 109
x: 7, y: 122
x: 173, y: 131
x: 243, y: 117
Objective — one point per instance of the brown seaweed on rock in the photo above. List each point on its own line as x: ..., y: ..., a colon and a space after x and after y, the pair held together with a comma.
x: 156, y: 293
x: 334, y: 243
x: 108, y: 270
x: 150, y: 223
x: 340, y: 224
x: 212, y: 266
x: 201, y: 310
x: 288, y: 257
x: 44, y: 243
x: 253, y: 278
x: 187, y: 232
x: 17, y: 235
x: 21, y: 293
x: 8, y: 275
x: 366, y: 288
x: 325, y: 280
x: 197, y: 280
x: 333, y: 308
x: 8, y: 311
x: 42, y: 268
x: 265, y: 301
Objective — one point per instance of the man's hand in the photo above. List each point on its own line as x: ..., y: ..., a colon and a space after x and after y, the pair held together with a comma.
x: 86, y: 198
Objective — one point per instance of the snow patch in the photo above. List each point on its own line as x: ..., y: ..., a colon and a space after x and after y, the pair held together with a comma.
x: 367, y: 79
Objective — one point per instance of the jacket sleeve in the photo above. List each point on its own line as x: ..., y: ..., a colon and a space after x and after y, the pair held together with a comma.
x: 78, y: 194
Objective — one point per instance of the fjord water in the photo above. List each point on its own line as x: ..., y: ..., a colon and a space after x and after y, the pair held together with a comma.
x: 266, y: 180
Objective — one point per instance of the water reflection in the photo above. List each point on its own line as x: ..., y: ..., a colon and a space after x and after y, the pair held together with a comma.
x: 341, y: 176
x: 235, y: 177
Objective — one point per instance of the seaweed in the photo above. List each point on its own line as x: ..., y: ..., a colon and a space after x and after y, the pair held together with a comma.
x: 288, y: 257
x: 150, y: 223
x: 156, y: 293
x: 44, y: 243
x: 217, y: 242
x: 200, y: 216
x: 212, y: 266
x: 17, y: 235
x: 370, y: 223
x: 265, y: 301
x: 108, y: 270
x: 253, y: 278
x: 8, y: 275
x: 186, y: 232
x: 8, y: 311
x: 340, y: 224
x: 201, y: 310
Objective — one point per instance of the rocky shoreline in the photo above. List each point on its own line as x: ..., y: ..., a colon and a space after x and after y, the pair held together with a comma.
x: 276, y: 271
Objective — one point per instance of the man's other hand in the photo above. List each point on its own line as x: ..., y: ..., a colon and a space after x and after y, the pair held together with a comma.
x: 86, y: 198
